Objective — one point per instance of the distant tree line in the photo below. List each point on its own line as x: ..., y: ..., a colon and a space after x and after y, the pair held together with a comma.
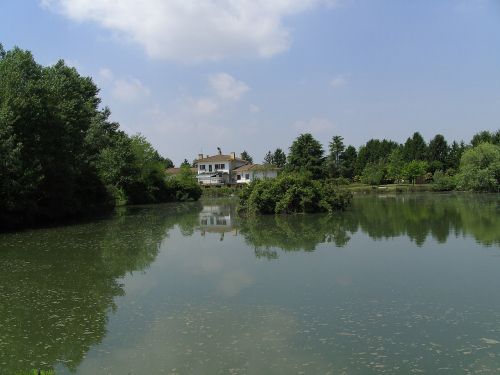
x: 474, y: 166
x: 61, y: 156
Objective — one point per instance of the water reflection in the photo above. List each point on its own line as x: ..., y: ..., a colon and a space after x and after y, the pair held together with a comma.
x: 59, y: 288
x: 58, y: 285
x: 418, y: 217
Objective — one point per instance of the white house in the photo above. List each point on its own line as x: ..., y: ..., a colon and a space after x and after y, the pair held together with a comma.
x: 228, y: 170
x: 249, y: 172
x: 217, y: 169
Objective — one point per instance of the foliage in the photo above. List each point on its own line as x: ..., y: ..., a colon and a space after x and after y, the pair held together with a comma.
x: 292, y: 193
x: 395, y: 165
x: 336, y: 148
x: 348, y: 162
x: 279, y: 158
x: 183, y: 187
x: 414, y: 169
x: 437, y: 153
x: 60, y: 156
x: 374, y: 151
x: 415, y: 148
x: 373, y: 174
x: 480, y: 168
x: 443, y: 182
x: 486, y: 137
x: 246, y: 156
x: 268, y: 159
x: 306, y: 155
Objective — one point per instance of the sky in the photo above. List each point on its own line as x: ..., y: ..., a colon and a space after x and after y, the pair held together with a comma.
x: 252, y: 75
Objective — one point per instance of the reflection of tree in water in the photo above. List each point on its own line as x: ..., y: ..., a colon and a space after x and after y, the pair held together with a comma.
x: 296, y: 232
x: 58, y: 285
x: 416, y: 216
x: 437, y: 215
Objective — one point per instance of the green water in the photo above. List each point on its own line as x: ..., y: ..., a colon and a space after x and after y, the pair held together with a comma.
x: 397, y: 285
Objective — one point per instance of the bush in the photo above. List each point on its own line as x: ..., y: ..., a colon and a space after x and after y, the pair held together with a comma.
x: 443, y: 182
x: 292, y: 193
x: 183, y: 187
x: 480, y: 168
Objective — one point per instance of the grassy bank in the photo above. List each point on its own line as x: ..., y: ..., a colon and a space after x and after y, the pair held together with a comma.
x: 390, y: 188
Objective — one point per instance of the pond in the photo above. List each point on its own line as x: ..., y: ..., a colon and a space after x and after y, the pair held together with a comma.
x: 398, y: 284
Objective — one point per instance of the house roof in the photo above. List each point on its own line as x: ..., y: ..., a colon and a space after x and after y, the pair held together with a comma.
x: 216, y: 158
x: 174, y: 171
x: 255, y: 167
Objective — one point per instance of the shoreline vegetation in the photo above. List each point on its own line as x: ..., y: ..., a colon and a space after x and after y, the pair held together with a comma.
x: 62, y: 159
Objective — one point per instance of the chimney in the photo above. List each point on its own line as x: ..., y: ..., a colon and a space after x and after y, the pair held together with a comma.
x: 233, y: 155
x: 200, y: 156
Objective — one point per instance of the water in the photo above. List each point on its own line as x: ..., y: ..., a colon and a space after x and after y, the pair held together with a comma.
x: 397, y: 285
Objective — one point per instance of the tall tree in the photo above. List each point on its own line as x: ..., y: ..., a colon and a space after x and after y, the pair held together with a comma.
x: 336, y: 148
x: 374, y: 151
x: 437, y: 153
x: 269, y: 159
x: 415, y: 148
x: 454, y: 155
x: 486, y: 137
x: 480, y: 168
x: 246, y: 156
x: 279, y: 158
x: 306, y: 155
x: 348, y: 162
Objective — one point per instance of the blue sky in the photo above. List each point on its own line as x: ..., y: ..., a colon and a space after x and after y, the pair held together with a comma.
x: 254, y: 74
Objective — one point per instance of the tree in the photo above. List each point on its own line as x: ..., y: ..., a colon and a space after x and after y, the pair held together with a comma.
x: 279, y: 158
x: 372, y: 152
x: 269, y: 159
x: 348, y: 162
x: 395, y: 165
x: 414, y: 169
x: 437, y: 153
x: 246, y: 156
x: 415, y: 148
x: 486, y: 137
x: 480, y: 168
x: 336, y: 148
x: 185, y: 163
x: 306, y: 155
x: 373, y: 174
x: 454, y: 155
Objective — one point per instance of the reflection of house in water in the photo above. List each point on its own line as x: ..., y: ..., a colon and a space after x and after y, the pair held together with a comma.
x: 216, y: 219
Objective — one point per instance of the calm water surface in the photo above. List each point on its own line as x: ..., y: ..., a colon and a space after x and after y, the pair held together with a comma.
x: 397, y: 285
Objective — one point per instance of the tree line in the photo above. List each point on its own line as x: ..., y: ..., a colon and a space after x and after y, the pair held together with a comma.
x: 61, y: 156
x: 456, y: 165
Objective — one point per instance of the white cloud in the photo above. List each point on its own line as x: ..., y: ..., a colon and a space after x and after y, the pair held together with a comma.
x: 226, y: 87
x: 129, y: 90
x: 192, y: 30
x: 254, y: 108
x: 314, y: 125
x: 339, y: 80
x: 105, y: 75
x: 205, y: 106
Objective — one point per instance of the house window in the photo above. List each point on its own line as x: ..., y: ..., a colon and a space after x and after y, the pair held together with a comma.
x: 202, y: 167
x: 247, y: 176
x: 238, y: 177
x: 210, y: 167
x: 222, y: 166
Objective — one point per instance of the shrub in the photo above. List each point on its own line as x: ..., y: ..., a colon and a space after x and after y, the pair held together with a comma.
x: 480, y: 168
x: 443, y: 182
x: 292, y: 193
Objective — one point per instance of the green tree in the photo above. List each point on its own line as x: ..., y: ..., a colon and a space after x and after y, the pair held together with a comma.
x: 185, y: 163
x: 486, y: 137
x: 437, y: 153
x: 454, y: 155
x: 269, y: 159
x: 336, y: 148
x: 415, y: 169
x: 373, y: 152
x: 395, y: 165
x: 373, y: 174
x: 480, y: 168
x: 415, y: 148
x: 306, y: 155
x: 246, y: 156
x: 348, y: 162
x: 279, y: 158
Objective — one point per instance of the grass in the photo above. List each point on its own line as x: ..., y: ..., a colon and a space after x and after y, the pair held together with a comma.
x: 36, y: 372
x: 390, y: 188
